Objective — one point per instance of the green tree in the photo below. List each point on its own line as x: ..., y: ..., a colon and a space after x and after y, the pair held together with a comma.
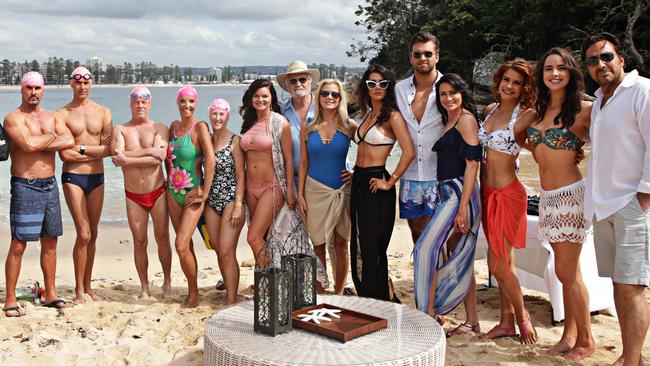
x: 469, y: 29
x: 35, y: 66
x: 7, y: 72
x: 69, y: 67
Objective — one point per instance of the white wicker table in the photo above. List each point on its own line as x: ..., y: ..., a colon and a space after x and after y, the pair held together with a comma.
x: 412, y: 338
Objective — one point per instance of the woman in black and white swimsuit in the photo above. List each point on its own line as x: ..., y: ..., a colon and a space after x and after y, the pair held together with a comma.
x: 224, y: 212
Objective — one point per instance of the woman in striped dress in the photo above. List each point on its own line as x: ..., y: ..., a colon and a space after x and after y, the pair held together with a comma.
x: 444, y: 254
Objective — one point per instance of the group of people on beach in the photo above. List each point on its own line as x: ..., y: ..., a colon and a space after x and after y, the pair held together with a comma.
x: 290, y: 161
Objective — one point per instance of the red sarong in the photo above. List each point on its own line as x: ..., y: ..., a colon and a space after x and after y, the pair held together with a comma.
x: 504, y: 216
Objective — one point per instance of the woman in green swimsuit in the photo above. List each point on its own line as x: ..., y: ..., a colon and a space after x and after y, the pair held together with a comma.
x: 190, y: 146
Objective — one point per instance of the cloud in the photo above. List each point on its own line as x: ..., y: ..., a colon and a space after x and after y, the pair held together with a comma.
x: 188, y: 33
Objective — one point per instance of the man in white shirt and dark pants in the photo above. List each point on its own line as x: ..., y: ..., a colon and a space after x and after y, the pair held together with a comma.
x: 618, y: 186
x: 416, y: 100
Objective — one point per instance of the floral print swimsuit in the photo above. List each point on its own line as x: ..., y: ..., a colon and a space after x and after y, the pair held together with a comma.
x: 224, y: 184
x: 183, y: 166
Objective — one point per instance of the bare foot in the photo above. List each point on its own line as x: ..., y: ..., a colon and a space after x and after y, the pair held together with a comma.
x: 562, y: 346
x: 619, y: 361
x: 579, y: 353
x: 499, y: 331
x: 230, y: 302
x: 79, y: 299
x: 527, y: 332
x: 167, y: 288
x: 144, y: 294
x: 192, y: 304
x: 93, y: 295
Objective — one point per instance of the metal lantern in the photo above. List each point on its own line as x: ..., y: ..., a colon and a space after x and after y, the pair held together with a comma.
x: 273, y: 292
x: 303, y: 269
x: 272, y: 300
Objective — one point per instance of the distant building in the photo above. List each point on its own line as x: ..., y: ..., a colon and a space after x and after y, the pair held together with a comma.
x: 267, y: 77
x: 215, y: 74
x: 96, y: 64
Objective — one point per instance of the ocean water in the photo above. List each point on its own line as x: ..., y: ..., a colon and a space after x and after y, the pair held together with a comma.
x: 163, y: 110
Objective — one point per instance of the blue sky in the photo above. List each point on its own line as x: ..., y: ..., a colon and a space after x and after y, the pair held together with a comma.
x: 185, y: 32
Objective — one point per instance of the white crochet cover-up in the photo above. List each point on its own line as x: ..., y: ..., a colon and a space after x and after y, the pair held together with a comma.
x: 561, y: 216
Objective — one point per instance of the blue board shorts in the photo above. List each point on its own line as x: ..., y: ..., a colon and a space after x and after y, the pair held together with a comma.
x: 417, y: 198
x: 35, y: 210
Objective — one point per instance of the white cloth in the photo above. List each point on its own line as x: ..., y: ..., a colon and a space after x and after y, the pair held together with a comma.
x: 619, y: 163
x: 424, y: 133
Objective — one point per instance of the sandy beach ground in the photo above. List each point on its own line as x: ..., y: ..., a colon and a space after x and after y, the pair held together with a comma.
x: 122, y: 330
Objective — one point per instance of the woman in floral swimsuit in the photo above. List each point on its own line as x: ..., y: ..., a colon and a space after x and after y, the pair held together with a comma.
x: 189, y: 147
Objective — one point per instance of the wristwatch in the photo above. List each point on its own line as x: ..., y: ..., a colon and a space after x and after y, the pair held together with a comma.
x: 82, y: 149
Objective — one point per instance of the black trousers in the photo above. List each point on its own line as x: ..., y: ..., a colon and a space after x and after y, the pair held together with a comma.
x: 373, y: 217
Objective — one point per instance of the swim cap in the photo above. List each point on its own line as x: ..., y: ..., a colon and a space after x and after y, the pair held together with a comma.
x: 32, y: 78
x: 81, y: 73
x: 140, y: 92
x: 219, y: 104
x: 187, y: 91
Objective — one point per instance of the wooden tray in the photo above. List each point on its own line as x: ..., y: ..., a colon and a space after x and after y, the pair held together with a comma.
x: 352, y: 324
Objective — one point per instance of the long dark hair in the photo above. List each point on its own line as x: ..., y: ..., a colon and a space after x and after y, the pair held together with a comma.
x: 459, y: 85
x: 574, y: 89
x: 248, y: 113
x: 389, y: 104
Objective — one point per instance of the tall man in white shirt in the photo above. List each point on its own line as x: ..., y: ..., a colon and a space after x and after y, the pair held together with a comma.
x: 618, y: 186
x: 416, y: 99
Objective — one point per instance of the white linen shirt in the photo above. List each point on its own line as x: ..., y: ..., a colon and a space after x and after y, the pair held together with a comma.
x: 424, y: 134
x: 619, y: 164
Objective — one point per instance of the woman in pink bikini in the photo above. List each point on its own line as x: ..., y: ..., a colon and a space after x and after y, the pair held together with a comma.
x: 266, y: 142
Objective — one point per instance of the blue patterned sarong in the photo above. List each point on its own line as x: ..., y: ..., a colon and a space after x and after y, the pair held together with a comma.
x: 454, y: 274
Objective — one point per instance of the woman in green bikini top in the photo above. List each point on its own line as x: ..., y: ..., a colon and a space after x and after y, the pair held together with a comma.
x: 190, y: 145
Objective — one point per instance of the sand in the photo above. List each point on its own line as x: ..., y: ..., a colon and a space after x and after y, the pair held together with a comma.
x: 122, y: 330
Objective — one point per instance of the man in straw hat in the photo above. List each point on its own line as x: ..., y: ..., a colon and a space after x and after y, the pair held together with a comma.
x: 298, y: 81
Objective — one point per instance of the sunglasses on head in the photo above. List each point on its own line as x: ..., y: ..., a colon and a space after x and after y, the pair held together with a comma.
x: 427, y: 54
x: 382, y: 84
x: 605, y: 57
x: 334, y: 94
x: 302, y: 80
x: 78, y: 77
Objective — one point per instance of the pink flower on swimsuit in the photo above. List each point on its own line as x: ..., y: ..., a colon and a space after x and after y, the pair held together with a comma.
x: 180, y: 179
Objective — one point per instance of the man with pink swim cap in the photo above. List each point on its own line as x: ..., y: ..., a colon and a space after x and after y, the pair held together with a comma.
x: 83, y: 174
x: 139, y: 147
x: 35, y: 211
x: 32, y: 78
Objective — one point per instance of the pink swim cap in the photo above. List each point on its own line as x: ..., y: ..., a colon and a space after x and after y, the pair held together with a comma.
x: 32, y: 78
x: 81, y: 73
x: 187, y: 91
x: 219, y: 104
x: 140, y: 92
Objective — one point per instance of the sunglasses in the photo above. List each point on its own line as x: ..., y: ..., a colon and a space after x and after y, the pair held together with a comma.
x: 334, y: 94
x: 382, y: 84
x: 427, y: 54
x: 302, y: 80
x: 605, y: 57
